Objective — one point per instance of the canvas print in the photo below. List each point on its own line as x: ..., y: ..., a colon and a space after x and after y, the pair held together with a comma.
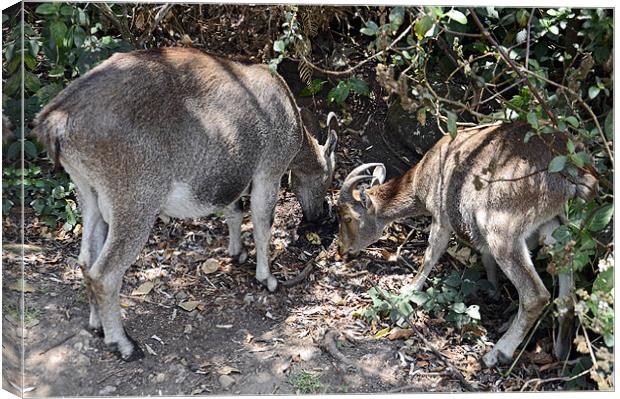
x: 236, y: 199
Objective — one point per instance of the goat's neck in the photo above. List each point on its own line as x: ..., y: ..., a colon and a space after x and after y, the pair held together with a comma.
x: 397, y: 198
x: 309, y: 156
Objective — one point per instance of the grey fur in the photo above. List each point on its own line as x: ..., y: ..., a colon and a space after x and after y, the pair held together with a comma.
x: 181, y: 133
x: 491, y: 189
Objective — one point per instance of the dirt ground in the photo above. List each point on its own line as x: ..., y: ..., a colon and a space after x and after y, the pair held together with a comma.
x: 208, y: 327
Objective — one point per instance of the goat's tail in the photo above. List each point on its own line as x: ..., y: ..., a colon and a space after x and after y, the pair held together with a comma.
x: 49, y: 128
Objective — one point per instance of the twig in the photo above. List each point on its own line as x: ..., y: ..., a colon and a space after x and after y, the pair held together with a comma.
x: 158, y: 17
x: 540, y: 381
x: 527, y: 45
x: 512, y: 65
x: 301, y: 276
x: 61, y: 342
x: 584, y: 105
x: 110, y: 375
x: 349, y: 71
x: 440, y: 356
x: 329, y: 344
x: 122, y: 27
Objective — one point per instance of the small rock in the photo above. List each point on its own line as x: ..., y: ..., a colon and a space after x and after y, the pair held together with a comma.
x: 78, y: 346
x: 226, y: 381
x: 159, y: 377
x: 108, y: 389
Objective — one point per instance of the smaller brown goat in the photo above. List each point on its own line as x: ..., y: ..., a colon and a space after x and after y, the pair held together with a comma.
x: 492, y: 189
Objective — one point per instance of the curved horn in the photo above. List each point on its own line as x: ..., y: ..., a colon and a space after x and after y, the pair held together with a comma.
x: 346, y: 191
x: 329, y: 118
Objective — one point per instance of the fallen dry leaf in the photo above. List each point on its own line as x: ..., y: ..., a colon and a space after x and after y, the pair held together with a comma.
x: 400, y: 333
x: 210, y: 266
x: 225, y: 370
x: 313, y: 238
x: 189, y: 305
x: 21, y: 285
x: 143, y: 289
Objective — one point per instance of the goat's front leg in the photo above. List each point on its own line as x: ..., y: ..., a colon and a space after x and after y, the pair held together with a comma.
x: 263, y: 203
x: 437, y: 244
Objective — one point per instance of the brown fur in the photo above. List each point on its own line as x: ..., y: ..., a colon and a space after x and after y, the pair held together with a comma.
x: 489, y: 187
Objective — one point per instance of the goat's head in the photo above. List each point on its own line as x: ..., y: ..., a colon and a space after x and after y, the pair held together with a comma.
x: 310, y: 184
x: 357, y: 213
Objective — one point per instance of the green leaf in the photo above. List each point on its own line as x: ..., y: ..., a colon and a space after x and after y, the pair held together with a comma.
x: 359, y: 86
x: 570, y: 146
x: 593, y: 91
x: 66, y: 10
x: 532, y: 119
x: 314, y: 87
x: 30, y: 149
x: 557, y: 164
x: 46, y: 9
x: 371, y: 29
x: 397, y: 16
x: 528, y: 136
x: 339, y: 93
x: 457, y: 16
x: 608, y: 337
x: 422, y: 26
x: 56, y: 71
x: 571, y: 120
x: 522, y: 17
x: 279, y: 46
x: 452, y: 124
x: 602, y: 217
x: 474, y: 312
x: 58, y: 30
x: 459, y: 307
x: 609, y: 125
x: 604, y: 281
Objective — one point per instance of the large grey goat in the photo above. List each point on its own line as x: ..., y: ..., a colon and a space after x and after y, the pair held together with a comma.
x: 181, y: 133
x: 492, y: 189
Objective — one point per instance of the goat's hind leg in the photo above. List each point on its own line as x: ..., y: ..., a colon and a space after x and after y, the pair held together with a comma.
x: 129, y: 228
x: 513, y: 258
x: 94, y: 233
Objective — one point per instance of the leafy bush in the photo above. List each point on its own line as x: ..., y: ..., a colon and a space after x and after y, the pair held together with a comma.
x: 60, y: 43
x: 445, y: 298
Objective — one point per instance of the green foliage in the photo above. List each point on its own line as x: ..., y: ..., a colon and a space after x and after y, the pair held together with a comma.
x: 61, y: 42
x: 551, y: 68
x: 447, y: 298
x: 340, y: 93
x: 306, y: 382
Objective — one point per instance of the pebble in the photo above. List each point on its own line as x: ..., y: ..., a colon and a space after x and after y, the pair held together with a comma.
x: 108, y: 389
x: 226, y: 381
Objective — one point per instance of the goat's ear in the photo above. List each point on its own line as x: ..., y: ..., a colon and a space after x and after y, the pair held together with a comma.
x: 365, y: 199
x: 378, y: 175
x: 330, y: 144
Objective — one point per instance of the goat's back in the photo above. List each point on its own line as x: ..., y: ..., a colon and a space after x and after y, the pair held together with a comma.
x: 490, y: 176
x: 173, y: 114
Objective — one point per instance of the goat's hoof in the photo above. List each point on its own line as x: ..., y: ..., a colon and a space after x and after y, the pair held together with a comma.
x: 95, y: 331
x: 128, y: 352
x: 136, y: 354
x: 241, y: 258
x: 270, y: 282
x: 494, y: 358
